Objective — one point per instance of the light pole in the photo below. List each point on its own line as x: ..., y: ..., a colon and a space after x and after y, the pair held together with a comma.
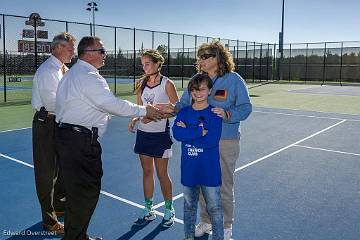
x: 92, y: 8
x: 281, y: 41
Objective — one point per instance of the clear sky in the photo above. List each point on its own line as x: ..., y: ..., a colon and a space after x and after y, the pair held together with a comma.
x: 250, y: 20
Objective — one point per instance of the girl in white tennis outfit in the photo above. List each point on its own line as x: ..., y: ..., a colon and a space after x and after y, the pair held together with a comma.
x: 153, y: 140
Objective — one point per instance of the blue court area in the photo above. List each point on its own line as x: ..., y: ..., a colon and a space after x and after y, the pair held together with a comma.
x: 297, y: 178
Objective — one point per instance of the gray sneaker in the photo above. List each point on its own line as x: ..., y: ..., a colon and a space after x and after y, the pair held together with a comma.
x: 168, y: 219
x: 147, y: 215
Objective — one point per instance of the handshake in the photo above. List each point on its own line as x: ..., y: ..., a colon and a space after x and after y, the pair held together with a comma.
x: 154, y: 113
x: 159, y: 111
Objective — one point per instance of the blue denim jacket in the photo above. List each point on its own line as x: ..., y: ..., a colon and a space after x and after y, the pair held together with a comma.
x: 230, y: 93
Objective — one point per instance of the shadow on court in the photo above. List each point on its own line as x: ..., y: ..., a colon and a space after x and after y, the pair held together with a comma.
x: 134, y: 229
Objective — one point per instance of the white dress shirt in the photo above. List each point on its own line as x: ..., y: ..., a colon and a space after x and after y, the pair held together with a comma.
x: 45, y: 84
x: 84, y: 98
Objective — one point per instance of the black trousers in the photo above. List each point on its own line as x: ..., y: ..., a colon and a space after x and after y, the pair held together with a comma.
x: 49, y: 187
x: 81, y: 166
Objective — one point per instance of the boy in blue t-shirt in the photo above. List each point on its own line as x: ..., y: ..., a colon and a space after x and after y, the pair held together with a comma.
x: 198, y: 127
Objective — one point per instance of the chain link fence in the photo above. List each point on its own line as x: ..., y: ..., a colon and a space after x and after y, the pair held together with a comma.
x: 25, y: 44
x: 325, y: 62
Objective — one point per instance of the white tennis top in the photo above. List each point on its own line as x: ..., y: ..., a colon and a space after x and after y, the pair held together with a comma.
x: 153, y: 95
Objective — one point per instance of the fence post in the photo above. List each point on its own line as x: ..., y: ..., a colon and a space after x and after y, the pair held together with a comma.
x: 169, y: 57
x: 134, y: 62
x: 306, y: 61
x: 4, y: 56
x: 290, y: 63
x: 246, y: 58
x: 260, y: 63
x: 253, y: 64
x: 152, y: 39
x: 182, y: 62
x: 237, y: 56
x: 341, y: 61
x: 195, y: 46
x: 274, y: 64
x: 324, y: 64
x: 115, y: 62
x: 267, y: 62
x: 35, y: 43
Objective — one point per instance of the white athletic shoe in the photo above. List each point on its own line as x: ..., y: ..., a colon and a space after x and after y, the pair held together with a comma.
x: 227, y: 233
x: 202, y: 228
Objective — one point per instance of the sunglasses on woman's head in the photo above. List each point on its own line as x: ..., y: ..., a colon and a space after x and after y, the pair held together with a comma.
x: 206, y: 56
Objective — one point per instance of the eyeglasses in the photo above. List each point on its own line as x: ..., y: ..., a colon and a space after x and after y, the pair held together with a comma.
x: 206, y: 56
x: 101, y: 50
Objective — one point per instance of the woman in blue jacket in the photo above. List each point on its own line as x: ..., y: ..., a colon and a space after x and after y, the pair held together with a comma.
x: 230, y: 97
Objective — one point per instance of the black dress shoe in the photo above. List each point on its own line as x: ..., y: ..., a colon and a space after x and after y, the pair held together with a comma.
x: 94, y: 238
x: 57, y: 228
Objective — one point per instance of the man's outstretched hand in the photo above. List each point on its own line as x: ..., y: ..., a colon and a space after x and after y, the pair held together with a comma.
x: 154, y: 113
x: 168, y: 108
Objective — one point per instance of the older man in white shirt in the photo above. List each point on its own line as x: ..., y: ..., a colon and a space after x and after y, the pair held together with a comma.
x: 83, y: 107
x: 45, y: 83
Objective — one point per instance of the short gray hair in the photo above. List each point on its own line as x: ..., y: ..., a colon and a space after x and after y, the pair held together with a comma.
x: 86, y: 42
x: 62, y: 38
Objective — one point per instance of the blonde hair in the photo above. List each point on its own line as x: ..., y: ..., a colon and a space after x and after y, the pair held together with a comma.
x: 156, y: 57
x: 223, y: 55
x: 62, y: 38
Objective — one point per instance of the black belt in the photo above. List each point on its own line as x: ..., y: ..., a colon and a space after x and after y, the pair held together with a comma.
x: 93, y: 133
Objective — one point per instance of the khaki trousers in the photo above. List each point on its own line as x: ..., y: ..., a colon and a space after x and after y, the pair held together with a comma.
x: 229, y: 154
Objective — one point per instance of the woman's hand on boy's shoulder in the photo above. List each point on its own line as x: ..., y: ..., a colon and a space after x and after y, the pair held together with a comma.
x: 220, y: 112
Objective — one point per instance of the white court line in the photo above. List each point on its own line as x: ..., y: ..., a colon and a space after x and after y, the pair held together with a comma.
x: 136, y: 204
x: 327, y: 150
x: 15, y: 160
x: 102, y: 192
x: 309, y: 116
x: 163, y: 203
x: 289, y: 146
x: 16, y: 129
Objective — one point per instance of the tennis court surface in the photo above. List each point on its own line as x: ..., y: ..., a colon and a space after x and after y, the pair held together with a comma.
x: 297, y: 178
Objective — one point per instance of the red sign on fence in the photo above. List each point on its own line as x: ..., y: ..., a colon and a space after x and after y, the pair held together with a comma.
x: 29, y: 46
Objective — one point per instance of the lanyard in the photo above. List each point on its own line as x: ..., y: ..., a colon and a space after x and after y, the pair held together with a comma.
x: 215, y: 79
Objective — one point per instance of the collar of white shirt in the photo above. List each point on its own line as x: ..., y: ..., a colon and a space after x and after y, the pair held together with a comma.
x: 88, y: 65
x: 56, y: 61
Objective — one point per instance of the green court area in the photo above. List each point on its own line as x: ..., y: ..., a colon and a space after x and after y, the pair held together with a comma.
x: 275, y: 95
x: 286, y: 96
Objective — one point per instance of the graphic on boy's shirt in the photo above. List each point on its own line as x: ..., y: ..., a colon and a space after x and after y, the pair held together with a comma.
x: 193, y: 151
x: 221, y: 95
x: 149, y: 98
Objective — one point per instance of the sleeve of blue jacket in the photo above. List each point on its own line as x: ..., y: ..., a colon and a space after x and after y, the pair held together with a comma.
x: 185, y: 134
x: 243, y: 107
